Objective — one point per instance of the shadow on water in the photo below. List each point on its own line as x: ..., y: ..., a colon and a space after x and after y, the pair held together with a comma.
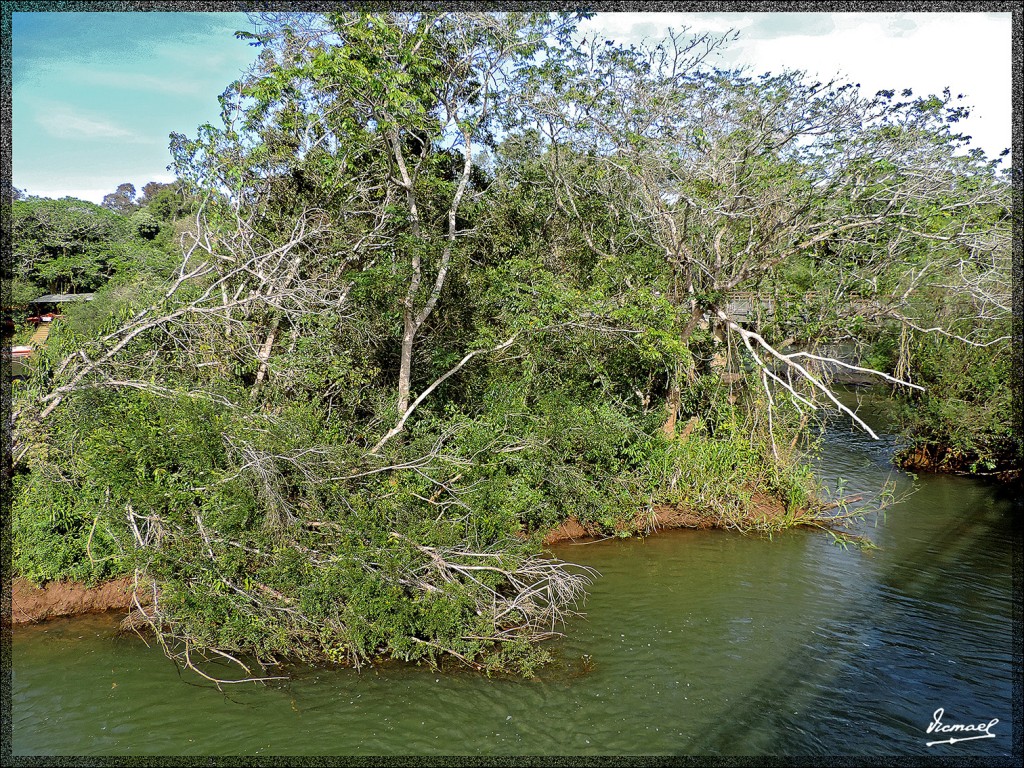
x: 933, y: 630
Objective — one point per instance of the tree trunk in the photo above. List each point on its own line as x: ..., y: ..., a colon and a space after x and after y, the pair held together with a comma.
x: 264, y: 354
x: 405, y: 366
x: 672, y: 406
x: 264, y: 357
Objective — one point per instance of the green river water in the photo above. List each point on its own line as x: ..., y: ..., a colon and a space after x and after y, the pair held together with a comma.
x: 693, y: 643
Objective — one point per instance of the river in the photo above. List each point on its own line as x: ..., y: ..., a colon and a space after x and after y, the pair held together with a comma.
x: 693, y: 643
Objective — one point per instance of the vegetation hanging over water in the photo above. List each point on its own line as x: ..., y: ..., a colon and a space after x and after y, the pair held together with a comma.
x: 451, y: 280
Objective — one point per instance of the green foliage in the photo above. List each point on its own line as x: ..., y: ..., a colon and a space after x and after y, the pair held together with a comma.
x: 22, y: 291
x: 64, y: 243
x: 54, y: 535
x: 168, y: 202
x: 72, y: 245
x: 960, y: 423
x: 145, y: 224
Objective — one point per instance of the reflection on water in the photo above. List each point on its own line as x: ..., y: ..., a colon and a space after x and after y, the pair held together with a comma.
x: 694, y: 642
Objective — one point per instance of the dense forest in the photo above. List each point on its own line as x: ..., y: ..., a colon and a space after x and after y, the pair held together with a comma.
x: 438, y: 283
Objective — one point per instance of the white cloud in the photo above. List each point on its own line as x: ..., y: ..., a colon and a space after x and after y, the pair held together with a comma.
x: 630, y: 28
x: 90, y: 187
x: 968, y: 52
x: 91, y: 194
x: 64, y: 122
x: 137, y: 81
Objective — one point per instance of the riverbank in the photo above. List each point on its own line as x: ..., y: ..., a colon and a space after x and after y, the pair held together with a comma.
x: 31, y: 603
x: 764, y: 512
x: 56, y: 599
x: 945, y: 460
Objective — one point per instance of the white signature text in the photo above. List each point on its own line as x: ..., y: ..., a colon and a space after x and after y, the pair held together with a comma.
x: 980, y: 730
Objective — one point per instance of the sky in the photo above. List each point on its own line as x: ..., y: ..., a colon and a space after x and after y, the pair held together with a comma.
x: 96, y: 95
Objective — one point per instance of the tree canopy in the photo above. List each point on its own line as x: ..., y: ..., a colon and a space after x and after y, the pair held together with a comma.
x: 71, y: 245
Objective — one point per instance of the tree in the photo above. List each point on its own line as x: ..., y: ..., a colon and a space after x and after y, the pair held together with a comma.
x: 74, y: 245
x: 145, y: 224
x: 121, y: 200
x: 65, y: 244
x: 391, y: 99
x: 151, y: 189
x: 340, y: 171
x: 737, y: 179
x: 167, y: 202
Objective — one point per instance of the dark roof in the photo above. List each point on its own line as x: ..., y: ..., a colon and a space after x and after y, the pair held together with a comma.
x: 59, y: 298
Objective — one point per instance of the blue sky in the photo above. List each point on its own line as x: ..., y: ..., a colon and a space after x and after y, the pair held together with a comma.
x: 95, y: 95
